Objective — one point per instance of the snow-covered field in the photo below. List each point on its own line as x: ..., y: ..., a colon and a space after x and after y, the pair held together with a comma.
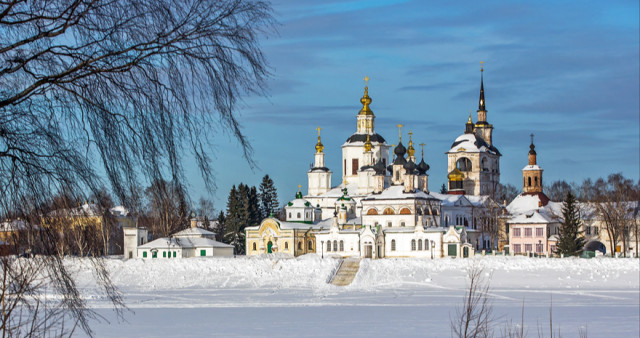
x: 277, y: 296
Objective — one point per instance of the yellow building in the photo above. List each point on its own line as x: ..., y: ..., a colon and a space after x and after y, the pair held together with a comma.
x: 272, y: 235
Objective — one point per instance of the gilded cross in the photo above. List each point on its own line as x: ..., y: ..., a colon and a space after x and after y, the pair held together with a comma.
x: 366, y: 81
x: 299, y: 186
x: 531, y: 138
x: 318, y: 129
x: 481, y: 66
x: 422, y: 148
x: 400, y: 131
x: 410, y: 133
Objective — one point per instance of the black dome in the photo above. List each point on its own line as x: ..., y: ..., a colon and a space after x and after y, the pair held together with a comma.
x: 379, y: 167
x: 400, y: 150
x: 409, y: 167
x: 423, y: 167
x: 363, y: 138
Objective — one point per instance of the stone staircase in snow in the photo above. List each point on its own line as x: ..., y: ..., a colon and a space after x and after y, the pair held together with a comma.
x: 347, y: 271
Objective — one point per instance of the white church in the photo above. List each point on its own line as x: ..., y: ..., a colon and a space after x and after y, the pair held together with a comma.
x: 383, y: 208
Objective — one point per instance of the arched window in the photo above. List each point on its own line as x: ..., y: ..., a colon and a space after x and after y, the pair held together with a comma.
x: 485, y: 166
x: 328, y: 246
x: 405, y: 211
x: 286, y: 245
x: 535, y: 179
x: 388, y: 211
x: 372, y: 211
x: 463, y: 164
x: 389, y: 224
x: 341, y: 245
x: 298, y: 215
x: 426, y: 244
x: 255, y: 247
x: 413, y: 245
x: 335, y: 245
x: 529, y: 180
x: 402, y: 224
x: 299, y: 245
x: 310, y: 245
x: 289, y: 215
x: 393, y: 245
x: 419, y: 245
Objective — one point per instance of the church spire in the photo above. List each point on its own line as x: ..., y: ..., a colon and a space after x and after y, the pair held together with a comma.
x: 481, y: 103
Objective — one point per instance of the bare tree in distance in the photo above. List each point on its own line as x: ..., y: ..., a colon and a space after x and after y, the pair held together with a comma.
x: 129, y: 84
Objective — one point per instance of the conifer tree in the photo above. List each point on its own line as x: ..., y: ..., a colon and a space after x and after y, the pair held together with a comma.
x: 443, y: 189
x: 570, y: 239
x: 220, y: 227
x: 268, y: 197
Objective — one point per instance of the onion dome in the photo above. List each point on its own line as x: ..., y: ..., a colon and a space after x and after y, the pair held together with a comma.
x: 319, y: 145
x: 367, y: 145
x: 400, y: 150
x: 532, y: 147
x: 410, y: 167
x: 455, y: 175
x: 379, y: 167
x: 366, y: 101
x: 423, y: 167
x: 410, y: 151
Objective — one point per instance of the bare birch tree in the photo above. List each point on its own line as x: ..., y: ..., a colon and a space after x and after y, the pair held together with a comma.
x: 124, y: 87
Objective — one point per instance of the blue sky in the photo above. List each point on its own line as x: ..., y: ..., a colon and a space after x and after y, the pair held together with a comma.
x: 567, y: 71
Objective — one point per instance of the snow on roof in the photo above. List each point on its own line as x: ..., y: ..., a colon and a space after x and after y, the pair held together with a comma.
x: 531, y: 167
x: 449, y: 200
x: 184, y: 243
x: 472, y: 144
x: 299, y: 203
x: 352, y: 191
x: 531, y: 217
x: 524, y: 203
x: 395, y: 192
x: 194, y: 232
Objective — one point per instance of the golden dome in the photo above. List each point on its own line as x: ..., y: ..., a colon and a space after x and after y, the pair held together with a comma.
x: 365, y: 100
x: 319, y: 146
x: 367, y: 145
x: 410, y: 151
x: 455, y: 175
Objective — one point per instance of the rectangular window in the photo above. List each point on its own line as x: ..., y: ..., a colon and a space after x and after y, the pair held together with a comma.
x: 528, y: 248
x: 527, y: 232
x: 174, y: 254
x: 595, y: 230
x: 538, y: 248
x: 164, y: 254
x: 203, y: 252
x: 587, y: 230
x: 539, y: 232
x: 516, y: 248
x: 354, y: 166
x: 144, y: 254
x: 516, y: 232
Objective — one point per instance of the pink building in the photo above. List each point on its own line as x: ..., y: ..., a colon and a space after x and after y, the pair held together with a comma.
x: 529, y: 233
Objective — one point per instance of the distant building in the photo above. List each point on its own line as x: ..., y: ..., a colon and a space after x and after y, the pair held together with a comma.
x: 191, y: 242
x: 383, y: 208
